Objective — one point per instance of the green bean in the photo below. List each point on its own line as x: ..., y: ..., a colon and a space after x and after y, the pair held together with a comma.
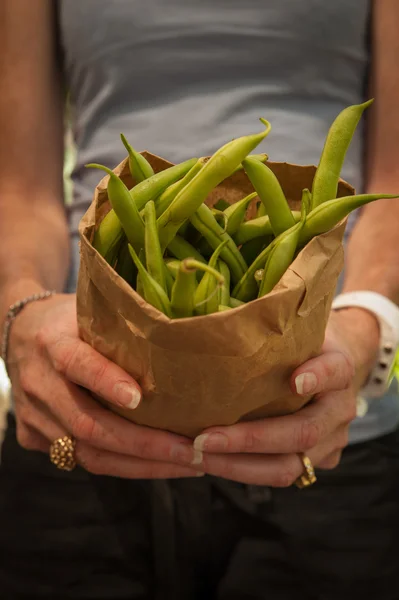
x: 220, y: 218
x: 218, y: 167
x: 225, y: 291
x: 325, y: 216
x: 124, y: 207
x: 139, y: 284
x: 155, y: 185
x: 257, y: 228
x: 206, y: 299
x: 185, y: 286
x: 152, y: 291
x: 281, y: 255
x: 261, y: 157
x: 261, y: 210
x: 169, y: 279
x: 340, y: 134
x: 246, y: 289
x: 108, y: 235
x: 252, y: 248
x: 222, y: 308
x: 166, y: 198
x: 306, y: 200
x: 153, y: 252
x: 205, y: 223
x: 234, y: 303
x: 140, y: 168
x: 181, y: 249
x: 236, y: 213
x: 172, y: 265
x: 271, y: 194
x: 125, y: 267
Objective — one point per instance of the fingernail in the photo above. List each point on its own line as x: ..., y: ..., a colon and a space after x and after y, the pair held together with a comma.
x: 127, y: 395
x: 306, y: 383
x: 186, y: 454
x: 211, y: 442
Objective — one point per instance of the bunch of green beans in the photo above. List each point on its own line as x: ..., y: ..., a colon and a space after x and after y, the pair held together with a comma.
x: 188, y: 259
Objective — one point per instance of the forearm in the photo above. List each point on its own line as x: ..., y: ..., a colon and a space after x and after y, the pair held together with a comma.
x: 372, y: 253
x: 34, y: 249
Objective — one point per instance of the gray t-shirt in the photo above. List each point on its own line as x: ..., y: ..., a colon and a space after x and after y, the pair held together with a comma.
x: 180, y: 78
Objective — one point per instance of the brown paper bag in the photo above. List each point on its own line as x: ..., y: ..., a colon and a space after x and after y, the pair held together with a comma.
x: 224, y: 367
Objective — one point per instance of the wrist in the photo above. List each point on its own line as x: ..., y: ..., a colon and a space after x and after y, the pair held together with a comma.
x: 16, y: 291
x: 361, y: 332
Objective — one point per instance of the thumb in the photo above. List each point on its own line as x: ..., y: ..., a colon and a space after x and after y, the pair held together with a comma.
x: 329, y: 372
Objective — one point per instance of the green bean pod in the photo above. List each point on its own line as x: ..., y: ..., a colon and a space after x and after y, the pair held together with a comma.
x: 166, y: 198
x: 153, y: 293
x: 172, y: 265
x: 205, y: 223
x: 247, y: 288
x: 185, y: 286
x: 140, y: 168
x: 261, y: 211
x: 234, y: 303
x: 261, y: 157
x: 259, y: 227
x: 206, y: 299
x: 153, y: 253
x: 281, y: 256
x: 218, y: 167
x: 125, y: 267
x: 223, y: 308
x: 181, y: 249
x: 251, y: 249
x: 150, y: 188
x: 271, y: 194
x: 225, y: 290
x: 236, y: 213
x: 108, y: 236
x: 339, y: 137
x: 124, y: 207
x: 169, y: 279
x: 325, y: 216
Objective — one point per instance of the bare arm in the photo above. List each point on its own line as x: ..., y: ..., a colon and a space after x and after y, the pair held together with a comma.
x: 373, y: 251
x: 33, y: 229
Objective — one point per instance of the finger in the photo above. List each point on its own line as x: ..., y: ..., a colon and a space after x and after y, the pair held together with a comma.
x: 331, y: 371
x: 82, y: 365
x: 87, y: 421
x: 331, y: 461
x: 292, y: 433
x: 281, y: 470
x: 101, y: 462
x: 30, y: 439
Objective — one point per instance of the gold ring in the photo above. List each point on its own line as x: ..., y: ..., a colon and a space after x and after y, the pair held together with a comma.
x: 62, y: 453
x: 308, y: 478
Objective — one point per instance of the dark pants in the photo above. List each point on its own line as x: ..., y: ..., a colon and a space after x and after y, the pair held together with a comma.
x: 73, y: 535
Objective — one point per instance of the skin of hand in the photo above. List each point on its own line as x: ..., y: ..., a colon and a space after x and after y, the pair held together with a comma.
x: 265, y: 452
x: 52, y: 370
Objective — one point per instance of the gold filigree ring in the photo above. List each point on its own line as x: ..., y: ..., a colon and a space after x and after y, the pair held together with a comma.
x: 308, y: 478
x: 62, y: 453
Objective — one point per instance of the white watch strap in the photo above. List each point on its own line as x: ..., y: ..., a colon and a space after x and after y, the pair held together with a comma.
x: 387, y: 314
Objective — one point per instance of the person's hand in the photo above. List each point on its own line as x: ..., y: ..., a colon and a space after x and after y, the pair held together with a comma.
x: 265, y: 452
x: 49, y: 365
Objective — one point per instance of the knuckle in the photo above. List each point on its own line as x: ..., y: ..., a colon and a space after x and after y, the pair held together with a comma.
x: 332, y: 461
x: 143, y: 447
x: 351, y: 412
x: 27, y: 380
x: 66, y: 356
x: 24, y: 438
x: 44, y: 337
x: 253, y: 439
x: 88, y: 460
x: 84, y: 427
x: 343, y: 439
x: 309, y: 434
x: 285, y: 477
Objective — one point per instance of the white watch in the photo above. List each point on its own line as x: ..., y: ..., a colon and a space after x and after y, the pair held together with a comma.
x: 387, y: 315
